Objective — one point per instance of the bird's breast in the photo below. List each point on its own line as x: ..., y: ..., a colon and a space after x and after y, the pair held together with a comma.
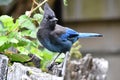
x: 53, y: 44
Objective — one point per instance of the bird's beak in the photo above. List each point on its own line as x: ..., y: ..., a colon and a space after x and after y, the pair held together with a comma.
x: 54, y: 19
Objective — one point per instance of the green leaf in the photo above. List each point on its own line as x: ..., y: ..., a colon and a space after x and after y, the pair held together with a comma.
x: 8, y: 22
x: 26, y: 22
x: 38, y: 17
x: 3, y: 40
x: 22, y: 40
x: 12, y: 34
x: 6, y: 18
x: 18, y: 57
x: 15, y: 26
x: 13, y: 40
x: 33, y: 34
x: 29, y: 33
x: 47, y: 57
x: 22, y: 50
x: 37, y: 52
x: 65, y: 2
x: 26, y: 32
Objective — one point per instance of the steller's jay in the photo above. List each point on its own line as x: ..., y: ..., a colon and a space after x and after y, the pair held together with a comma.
x: 55, y: 37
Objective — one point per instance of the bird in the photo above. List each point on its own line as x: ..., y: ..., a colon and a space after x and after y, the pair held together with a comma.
x: 55, y: 37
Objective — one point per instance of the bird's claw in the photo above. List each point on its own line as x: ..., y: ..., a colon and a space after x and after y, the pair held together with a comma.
x: 50, y: 66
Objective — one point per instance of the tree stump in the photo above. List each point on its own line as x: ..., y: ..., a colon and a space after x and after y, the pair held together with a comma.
x: 20, y: 72
x: 87, y: 68
x: 3, y: 67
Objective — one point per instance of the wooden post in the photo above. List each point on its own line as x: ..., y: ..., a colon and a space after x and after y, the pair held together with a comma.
x: 3, y: 67
x: 87, y: 68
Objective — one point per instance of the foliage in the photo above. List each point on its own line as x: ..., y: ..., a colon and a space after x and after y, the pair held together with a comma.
x: 65, y: 2
x: 18, y: 37
x: 75, y: 51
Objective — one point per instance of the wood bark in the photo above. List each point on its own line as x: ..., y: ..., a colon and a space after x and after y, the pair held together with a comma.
x: 86, y: 68
x: 3, y: 67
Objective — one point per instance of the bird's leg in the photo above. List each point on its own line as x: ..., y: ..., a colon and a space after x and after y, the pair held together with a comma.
x: 53, y: 61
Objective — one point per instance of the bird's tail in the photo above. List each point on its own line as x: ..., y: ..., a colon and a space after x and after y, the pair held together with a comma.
x: 88, y: 35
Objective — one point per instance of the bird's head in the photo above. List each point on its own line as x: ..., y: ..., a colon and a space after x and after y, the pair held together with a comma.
x: 49, y: 16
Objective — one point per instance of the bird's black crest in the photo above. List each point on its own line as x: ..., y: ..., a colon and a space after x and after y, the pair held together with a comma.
x: 48, y: 10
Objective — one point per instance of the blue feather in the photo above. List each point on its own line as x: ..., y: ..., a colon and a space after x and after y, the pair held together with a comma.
x: 88, y: 35
x: 73, y: 36
x: 68, y: 33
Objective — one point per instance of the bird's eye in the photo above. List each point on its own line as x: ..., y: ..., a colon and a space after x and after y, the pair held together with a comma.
x: 49, y: 17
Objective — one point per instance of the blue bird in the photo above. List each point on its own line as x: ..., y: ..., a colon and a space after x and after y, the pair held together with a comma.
x: 57, y: 38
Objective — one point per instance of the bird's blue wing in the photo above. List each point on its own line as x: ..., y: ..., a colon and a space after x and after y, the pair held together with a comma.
x: 70, y: 34
x: 67, y: 34
x: 73, y: 35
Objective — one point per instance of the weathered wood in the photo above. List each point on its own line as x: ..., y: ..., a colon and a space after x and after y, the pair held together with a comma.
x: 20, y: 72
x: 3, y: 67
x: 87, y: 68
